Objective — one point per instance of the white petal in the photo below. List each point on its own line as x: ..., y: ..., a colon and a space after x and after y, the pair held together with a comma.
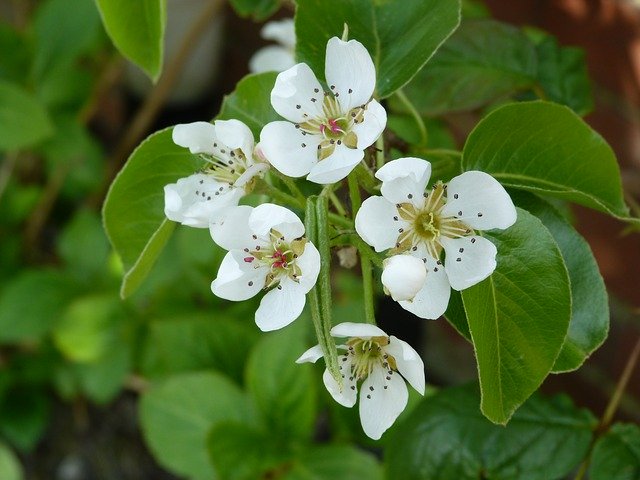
x: 432, y: 300
x: 309, y: 263
x: 469, y: 260
x: 371, y: 127
x: 484, y: 203
x: 257, y: 169
x: 336, y: 166
x: 281, y: 31
x: 231, y: 229
x: 408, y: 361
x: 238, y: 280
x: 345, y: 396
x: 311, y: 356
x: 349, y: 72
x: 403, y: 276
x: 198, y: 137
x: 361, y: 330
x: 235, y: 134
x: 196, y: 200
x: 405, y: 180
x: 291, y: 96
x: 376, y: 225
x: 280, y: 306
x: 281, y: 144
x: 272, y: 58
x: 268, y: 215
x: 380, y: 407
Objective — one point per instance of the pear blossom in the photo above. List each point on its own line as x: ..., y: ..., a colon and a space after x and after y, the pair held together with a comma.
x: 227, y: 146
x: 266, y: 251
x: 279, y: 57
x: 406, y: 220
x: 327, y: 131
x: 381, y: 364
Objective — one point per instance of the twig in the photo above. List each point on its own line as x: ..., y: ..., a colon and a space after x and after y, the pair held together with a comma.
x: 156, y: 99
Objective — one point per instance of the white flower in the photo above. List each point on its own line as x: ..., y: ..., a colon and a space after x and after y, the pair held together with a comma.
x: 380, y: 362
x: 327, y: 132
x: 276, y: 58
x: 403, y: 276
x: 408, y: 220
x: 227, y: 147
x: 267, y: 250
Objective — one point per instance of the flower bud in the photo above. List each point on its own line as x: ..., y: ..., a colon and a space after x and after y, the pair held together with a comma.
x: 403, y: 276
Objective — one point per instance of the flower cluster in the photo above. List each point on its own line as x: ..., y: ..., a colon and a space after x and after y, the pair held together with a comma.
x: 432, y: 236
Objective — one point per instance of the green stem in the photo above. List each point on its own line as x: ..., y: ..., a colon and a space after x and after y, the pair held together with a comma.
x: 316, y: 226
x: 365, y: 262
x: 291, y: 185
x: 614, y: 402
x: 424, y: 136
x: 335, y: 201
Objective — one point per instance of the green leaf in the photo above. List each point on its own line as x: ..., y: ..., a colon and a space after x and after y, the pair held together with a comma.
x: 133, y: 212
x: 83, y: 246
x: 31, y: 303
x: 333, y: 462
x: 250, y: 102
x: 240, y: 452
x: 447, y: 438
x: 137, y: 30
x: 284, y: 391
x: 400, y: 35
x: 518, y: 317
x: 562, y: 74
x: 24, y: 415
x: 63, y: 30
x: 178, y: 414
x: 589, y: 301
x: 10, y: 468
x: 546, y: 148
x: 483, y: 61
x: 88, y: 329
x: 616, y: 456
x: 24, y: 120
x: 16, y: 54
x: 195, y: 342
x: 258, y: 9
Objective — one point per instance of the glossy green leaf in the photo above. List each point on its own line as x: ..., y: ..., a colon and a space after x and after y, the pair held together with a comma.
x: 178, y: 414
x: 24, y: 120
x: 83, y: 245
x: 195, y: 342
x: 333, y: 462
x: 258, y: 9
x: 10, y: 468
x: 133, y: 212
x: 518, y: 317
x: 589, y: 306
x: 63, y: 29
x: 562, y: 74
x: 546, y: 148
x: 31, y: 303
x: 250, y: 102
x: 283, y: 391
x: 241, y: 452
x: 483, y: 61
x: 447, y: 438
x: 88, y: 328
x: 616, y: 456
x: 400, y: 35
x: 137, y: 30
x: 16, y: 54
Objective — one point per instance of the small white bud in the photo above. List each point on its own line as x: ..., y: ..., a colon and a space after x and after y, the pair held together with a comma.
x: 403, y: 276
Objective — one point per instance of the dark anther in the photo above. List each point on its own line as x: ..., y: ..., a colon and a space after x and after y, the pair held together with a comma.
x: 460, y: 213
x: 298, y: 107
x: 250, y: 284
x: 458, y: 259
x: 473, y: 240
x: 461, y: 250
x: 455, y: 195
x: 479, y: 214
